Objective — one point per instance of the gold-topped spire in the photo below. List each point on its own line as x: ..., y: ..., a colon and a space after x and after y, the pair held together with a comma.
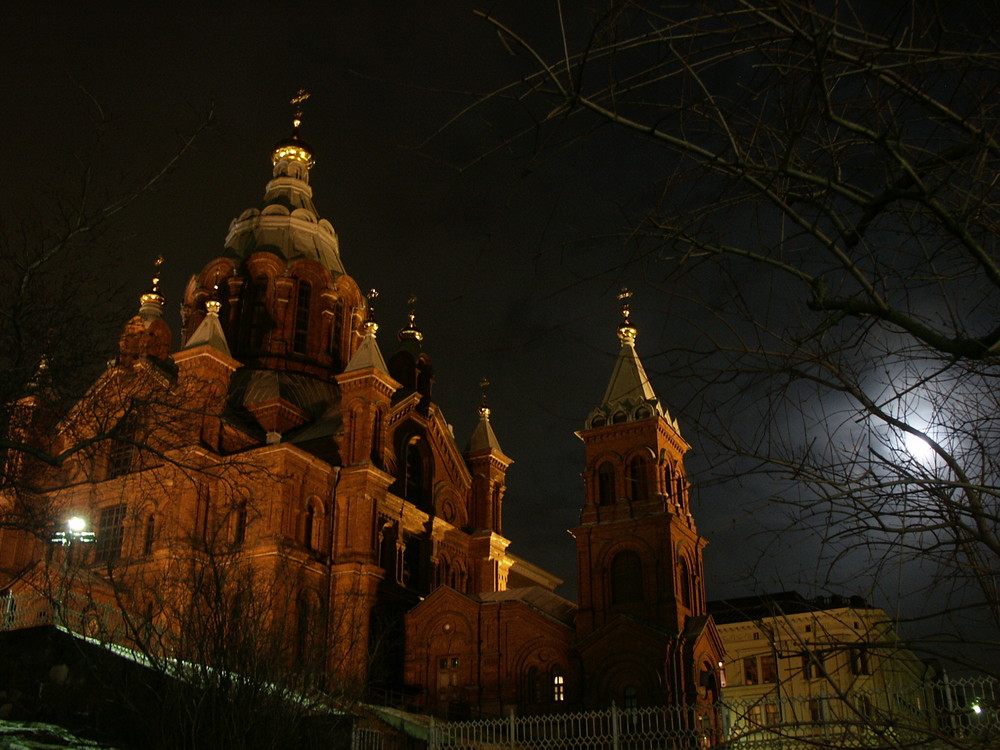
x: 294, y: 149
x: 626, y: 331
x: 410, y: 330
x: 370, y: 326
x: 153, y: 300
x: 212, y: 305
x: 484, y: 407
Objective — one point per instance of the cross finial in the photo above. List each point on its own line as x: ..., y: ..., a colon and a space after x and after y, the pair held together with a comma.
x: 370, y: 325
x: 626, y: 331
x: 484, y: 407
x: 153, y: 299
x: 297, y: 100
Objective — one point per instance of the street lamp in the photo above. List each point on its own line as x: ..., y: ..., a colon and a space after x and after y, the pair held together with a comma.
x: 75, y: 532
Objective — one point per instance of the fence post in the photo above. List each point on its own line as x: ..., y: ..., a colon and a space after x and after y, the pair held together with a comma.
x: 513, y: 729
x: 614, y: 725
x: 431, y: 734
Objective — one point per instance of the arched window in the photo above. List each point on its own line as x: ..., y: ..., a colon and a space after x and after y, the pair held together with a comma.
x: 389, y: 553
x: 307, y: 534
x: 443, y: 572
x: 626, y: 578
x: 302, y: 309
x: 255, y: 313
x: 684, y: 574
x: 415, y: 484
x: 376, y: 452
x: 606, y: 484
x: 150, y: 535
x: 558, y: 684
x: 638, y: 478
x: 240, y: 525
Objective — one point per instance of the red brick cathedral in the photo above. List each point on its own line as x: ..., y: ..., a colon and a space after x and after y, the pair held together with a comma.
x: 276, y: 481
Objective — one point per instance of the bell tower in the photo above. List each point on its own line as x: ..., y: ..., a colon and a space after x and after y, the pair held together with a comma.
x: 638, y: 551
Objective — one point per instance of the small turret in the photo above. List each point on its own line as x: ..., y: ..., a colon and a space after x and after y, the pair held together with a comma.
x: 488, y: 466
x: 147, y: 334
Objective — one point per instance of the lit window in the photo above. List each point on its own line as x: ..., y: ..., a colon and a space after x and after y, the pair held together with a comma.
x: 110, y: 533
x: 558, y: 688
x: 772, y: 714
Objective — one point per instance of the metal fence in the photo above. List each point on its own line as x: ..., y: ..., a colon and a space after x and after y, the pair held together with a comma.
x: 964, y: 713
x: 947, y: 713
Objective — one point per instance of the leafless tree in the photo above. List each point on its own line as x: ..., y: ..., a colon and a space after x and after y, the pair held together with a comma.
x: 60, y: 303
x: 827, y: 224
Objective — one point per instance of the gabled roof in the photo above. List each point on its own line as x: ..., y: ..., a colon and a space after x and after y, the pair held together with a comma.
x: 537, y: 598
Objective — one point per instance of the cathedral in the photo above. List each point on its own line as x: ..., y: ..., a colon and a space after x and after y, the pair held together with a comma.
x: 283, y: 478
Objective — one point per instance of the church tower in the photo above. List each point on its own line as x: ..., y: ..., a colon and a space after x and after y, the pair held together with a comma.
x: 638, y: 551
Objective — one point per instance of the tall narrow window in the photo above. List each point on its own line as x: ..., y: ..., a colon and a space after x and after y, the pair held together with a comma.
x: 606, y: 484
x: 302, y: 628
x: 240, y: 525
x: 124, y: 445
x: 255, y: 313
x: 415, y: 481
x: 626, y: 578
x: 307, y: 535
x: 110, y: 533
x: 638, y: 478
x: 768, y: 668
x: 201, y: 513
x: 684, y: 576
x: 302, y: 309
x: 558, y: 685
x: 150, y: 535
x: 750, y: 676
x: 859, y: 661
x: 376, y: 452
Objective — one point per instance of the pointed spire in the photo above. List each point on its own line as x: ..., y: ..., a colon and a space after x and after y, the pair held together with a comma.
x: 368, y: 354
x: 410, y: 330
x: 209, y: 331
x: 483, y: 438
x: 151, y: 303
x: 629, y: 396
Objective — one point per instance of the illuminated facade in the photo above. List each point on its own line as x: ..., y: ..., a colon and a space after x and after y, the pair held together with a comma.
x: 276, y: 477
x: 820, y: 664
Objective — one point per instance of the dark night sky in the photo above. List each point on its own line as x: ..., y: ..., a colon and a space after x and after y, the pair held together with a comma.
x: 514, y: 258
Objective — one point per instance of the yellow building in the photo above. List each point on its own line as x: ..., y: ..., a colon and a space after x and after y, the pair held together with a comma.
x: 829, y: 666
